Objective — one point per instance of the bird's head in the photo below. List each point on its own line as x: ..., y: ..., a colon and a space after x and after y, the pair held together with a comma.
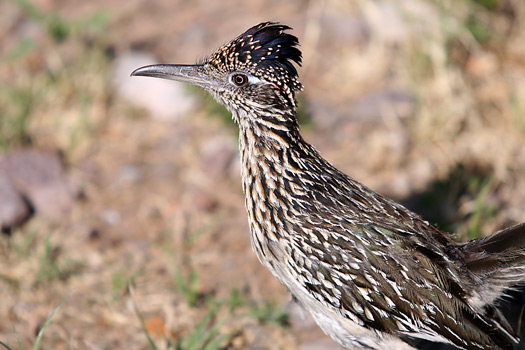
x: 252, y: 75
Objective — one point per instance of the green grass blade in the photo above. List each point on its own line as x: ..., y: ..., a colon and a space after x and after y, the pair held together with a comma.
x: 17, y: 339
x: 215, y: 345
x: 188, y: 288
x: 199, y: 337
x: 36, y: 346
x: 141, y: 319
x: 4, y: 345
x: 145, y: 329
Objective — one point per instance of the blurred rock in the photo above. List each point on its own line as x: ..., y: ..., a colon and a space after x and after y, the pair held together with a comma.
x: 164, y: 100
x: 39, y: 178
x: 13, y: 209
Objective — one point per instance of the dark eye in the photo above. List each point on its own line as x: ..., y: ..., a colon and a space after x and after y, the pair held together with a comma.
x: 239, y: 79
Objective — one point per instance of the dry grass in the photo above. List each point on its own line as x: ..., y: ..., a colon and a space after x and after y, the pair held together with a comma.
x: 398, y: 94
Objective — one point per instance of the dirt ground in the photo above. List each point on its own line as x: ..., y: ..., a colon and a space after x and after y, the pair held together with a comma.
x: 422, y: 101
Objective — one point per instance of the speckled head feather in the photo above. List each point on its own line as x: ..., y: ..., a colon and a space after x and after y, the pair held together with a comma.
x: 265, y: 51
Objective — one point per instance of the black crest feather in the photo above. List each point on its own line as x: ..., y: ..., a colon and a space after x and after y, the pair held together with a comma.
x: 264, y: 50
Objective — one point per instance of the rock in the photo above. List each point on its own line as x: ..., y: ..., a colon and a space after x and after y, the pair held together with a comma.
x: 13, y: 209
x: 34, y: 179
x: 164, y: 100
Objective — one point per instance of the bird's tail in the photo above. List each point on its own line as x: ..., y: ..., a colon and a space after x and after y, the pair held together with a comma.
x: 498, y: 261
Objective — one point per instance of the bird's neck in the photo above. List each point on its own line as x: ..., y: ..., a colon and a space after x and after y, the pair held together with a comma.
x: 274, y: 158
x: 265, y: 149
x: 265, y: 145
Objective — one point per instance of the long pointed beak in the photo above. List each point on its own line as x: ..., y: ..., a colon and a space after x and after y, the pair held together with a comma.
x: 185, y: 73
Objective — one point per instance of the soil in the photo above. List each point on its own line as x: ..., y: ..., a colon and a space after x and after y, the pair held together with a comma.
x: 404, y: 98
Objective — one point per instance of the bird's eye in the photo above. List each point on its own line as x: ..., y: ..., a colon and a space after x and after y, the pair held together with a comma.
x: 239, y: 79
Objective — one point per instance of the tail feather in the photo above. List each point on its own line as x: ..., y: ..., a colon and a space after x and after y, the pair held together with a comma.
x: 512, y: 238
x: 498, y: 261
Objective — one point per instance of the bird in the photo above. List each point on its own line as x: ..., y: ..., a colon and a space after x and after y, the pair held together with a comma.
x: 372, y: 274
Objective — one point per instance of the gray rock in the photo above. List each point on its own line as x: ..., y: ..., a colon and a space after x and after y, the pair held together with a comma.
x: 37, y: 177
x: 13, y: 209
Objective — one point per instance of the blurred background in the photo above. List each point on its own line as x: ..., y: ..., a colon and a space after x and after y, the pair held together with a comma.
x: 121, y: 207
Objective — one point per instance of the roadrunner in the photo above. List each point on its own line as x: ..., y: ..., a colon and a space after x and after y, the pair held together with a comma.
x: 373, y: 274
